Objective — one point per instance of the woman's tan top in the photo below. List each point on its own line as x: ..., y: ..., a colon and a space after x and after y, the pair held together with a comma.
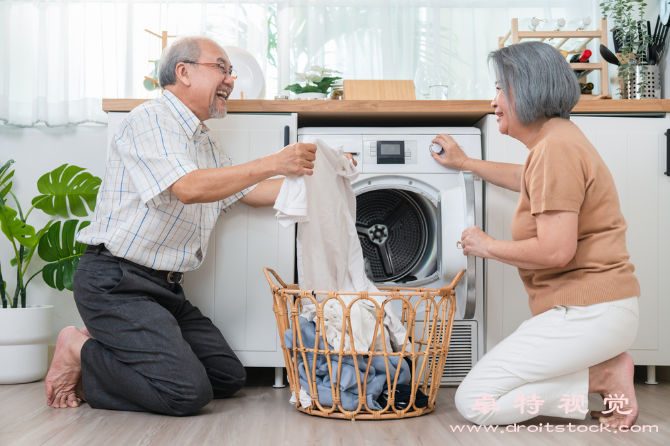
x: 564, y: 172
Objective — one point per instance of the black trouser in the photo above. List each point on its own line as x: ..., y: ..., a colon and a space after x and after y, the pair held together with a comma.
x: 152, y: 351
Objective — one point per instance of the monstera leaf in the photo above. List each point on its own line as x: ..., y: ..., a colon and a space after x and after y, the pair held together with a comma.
x: 29, y: 252
x: 67, y: 185
x: 14, y: 228
x: 5, y: 184
x: 62, y: 252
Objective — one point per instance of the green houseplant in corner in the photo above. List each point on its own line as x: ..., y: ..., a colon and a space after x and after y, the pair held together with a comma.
x: 317, y: 82
x: 25, y: 330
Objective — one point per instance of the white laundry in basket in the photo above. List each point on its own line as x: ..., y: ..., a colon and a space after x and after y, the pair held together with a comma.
x: 328, y: 251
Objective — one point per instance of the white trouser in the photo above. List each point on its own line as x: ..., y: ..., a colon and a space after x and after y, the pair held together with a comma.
x: 548, y: 356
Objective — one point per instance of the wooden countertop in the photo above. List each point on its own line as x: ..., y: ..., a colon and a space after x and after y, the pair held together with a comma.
x: 428, y: 113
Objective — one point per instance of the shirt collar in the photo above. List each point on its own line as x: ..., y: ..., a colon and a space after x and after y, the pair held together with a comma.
x: 188, y: 121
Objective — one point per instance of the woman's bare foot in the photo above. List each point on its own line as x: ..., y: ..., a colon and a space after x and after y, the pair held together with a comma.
x: 613, y: 379
x: 65, y: 371
x: 85, y: 332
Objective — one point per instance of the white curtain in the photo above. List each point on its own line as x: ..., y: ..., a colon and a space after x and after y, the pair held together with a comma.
x: 59, y: 58
x: 430, y: 42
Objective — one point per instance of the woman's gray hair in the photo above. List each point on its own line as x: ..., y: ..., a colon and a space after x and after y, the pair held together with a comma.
x: 182, y: 49
x: 539, y: 79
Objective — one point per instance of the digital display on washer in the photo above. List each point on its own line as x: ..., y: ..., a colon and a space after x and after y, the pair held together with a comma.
x: 390, y: 152
x: 390, y: 148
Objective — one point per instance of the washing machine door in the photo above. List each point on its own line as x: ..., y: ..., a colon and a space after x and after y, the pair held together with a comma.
x: 456, y: 212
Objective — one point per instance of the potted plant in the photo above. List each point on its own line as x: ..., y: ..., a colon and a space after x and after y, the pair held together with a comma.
x: 25, y: 330
x: 632, y: 39
x: 317, y: 82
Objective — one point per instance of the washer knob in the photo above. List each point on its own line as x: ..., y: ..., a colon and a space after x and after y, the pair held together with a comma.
x: 436, y: 148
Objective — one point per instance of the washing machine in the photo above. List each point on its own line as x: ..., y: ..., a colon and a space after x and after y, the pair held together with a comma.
x: 410, y: 213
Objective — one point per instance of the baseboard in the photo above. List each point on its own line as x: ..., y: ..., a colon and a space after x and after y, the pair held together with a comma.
x: 663, y: 372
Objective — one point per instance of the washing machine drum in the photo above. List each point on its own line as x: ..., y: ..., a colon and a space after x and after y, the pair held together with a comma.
x: 393, y: 232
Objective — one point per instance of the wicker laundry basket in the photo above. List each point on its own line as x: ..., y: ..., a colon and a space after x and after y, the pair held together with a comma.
x: 426, y: 345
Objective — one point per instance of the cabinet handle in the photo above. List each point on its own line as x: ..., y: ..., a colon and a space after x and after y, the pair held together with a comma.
x: 287, y: 131
x: 667, y: 153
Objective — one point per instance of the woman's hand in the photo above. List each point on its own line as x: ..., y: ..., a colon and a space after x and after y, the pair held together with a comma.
x: 351, y: 158
x: 453, y: 155
x: 476, y: 242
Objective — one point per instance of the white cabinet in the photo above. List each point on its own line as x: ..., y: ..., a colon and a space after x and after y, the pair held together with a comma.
x: 230, y: 287
x: 635, y: 151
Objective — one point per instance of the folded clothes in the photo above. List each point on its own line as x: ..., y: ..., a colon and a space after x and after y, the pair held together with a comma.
x: 348, y: 382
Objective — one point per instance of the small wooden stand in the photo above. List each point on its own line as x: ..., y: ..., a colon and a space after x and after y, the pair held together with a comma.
x: 379, y: 90
x: 601, y: 34
x: 163, y: 36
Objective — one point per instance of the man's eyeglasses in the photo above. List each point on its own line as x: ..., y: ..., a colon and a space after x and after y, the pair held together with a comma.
x: 220, y: 66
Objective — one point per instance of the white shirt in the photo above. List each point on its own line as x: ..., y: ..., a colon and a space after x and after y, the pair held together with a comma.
x: 329, y: 253
x: 136, y: 217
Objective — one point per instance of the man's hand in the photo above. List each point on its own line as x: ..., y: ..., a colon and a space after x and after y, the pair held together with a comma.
x: 453, y: 156
x: 295, y: 160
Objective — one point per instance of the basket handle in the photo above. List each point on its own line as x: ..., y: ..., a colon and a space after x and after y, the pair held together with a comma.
x: 456, y: 280
x: 270, y: 281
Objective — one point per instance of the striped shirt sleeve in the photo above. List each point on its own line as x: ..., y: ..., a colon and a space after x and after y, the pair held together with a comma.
x: 155, y: 152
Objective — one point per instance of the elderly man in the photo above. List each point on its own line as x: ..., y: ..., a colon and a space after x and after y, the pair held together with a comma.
x: 145, y: 347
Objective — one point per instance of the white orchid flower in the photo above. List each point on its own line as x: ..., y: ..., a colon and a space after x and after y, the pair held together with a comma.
x: 328, y: 71
x: 315, y: 74
x: 312, y: 77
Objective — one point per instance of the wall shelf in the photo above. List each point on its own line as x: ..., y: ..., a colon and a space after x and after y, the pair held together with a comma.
x: 514, y: 35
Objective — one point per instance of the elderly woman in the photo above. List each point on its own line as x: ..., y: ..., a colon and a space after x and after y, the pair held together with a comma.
x: 569, y: 244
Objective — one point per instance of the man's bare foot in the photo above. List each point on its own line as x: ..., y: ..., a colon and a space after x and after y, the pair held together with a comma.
x: 613, y: 379
x: 85, y: 332
x: 65, y: 371
x: 79, y: 390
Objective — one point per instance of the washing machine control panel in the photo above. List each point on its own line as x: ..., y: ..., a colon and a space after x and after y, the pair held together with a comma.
x: 390, y: 151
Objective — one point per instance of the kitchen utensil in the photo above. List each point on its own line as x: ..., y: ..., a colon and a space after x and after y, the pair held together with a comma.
x: 250, y: 79
x: 609, y: 56
x: 649, y: 44
x: 650, y: 74
x: 657, y: 48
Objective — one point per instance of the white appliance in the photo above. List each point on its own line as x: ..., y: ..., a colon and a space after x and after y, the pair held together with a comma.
x: 411, y: 212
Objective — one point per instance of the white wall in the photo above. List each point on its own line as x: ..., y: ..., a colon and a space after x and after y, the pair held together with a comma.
x: 39, y: 150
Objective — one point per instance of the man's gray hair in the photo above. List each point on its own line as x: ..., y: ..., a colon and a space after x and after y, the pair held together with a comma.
x: 182, y: 49
x: 539, y: 79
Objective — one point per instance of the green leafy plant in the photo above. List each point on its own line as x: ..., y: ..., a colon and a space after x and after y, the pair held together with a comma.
x: 632, y: 37
x: 317, y: 80
x: 66, y: 191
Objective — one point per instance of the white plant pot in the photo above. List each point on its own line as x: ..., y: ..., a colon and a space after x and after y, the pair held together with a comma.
x: 24, y: 343
x: 312, y: 96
